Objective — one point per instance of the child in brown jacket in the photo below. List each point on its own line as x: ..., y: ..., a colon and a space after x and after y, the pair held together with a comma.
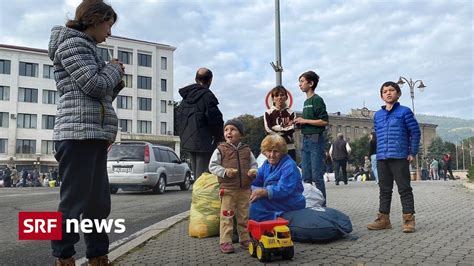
x: 235, y: 166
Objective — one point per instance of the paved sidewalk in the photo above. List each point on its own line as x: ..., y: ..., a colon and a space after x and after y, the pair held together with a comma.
x: 445, y: 233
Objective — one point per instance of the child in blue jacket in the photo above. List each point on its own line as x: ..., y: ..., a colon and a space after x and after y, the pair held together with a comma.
x: 398, y: 138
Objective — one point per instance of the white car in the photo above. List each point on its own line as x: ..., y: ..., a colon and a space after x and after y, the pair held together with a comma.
x: 139, y: 166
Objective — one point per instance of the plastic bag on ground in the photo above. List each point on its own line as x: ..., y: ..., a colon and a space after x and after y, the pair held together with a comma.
x: 205, y: 207
x: 314, y: 197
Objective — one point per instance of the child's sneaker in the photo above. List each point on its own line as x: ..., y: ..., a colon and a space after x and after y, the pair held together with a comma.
x: 245, y: 244
x: 227, y: 248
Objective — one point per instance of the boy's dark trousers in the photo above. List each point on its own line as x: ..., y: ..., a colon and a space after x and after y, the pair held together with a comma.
x: 84, y: 190
x: 395, y: 170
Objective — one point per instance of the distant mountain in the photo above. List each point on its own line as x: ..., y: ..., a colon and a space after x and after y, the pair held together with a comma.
x: 449, y: 128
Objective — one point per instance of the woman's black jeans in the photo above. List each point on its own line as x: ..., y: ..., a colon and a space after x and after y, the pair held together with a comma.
x: 395, y: 170
x: 84, y: 190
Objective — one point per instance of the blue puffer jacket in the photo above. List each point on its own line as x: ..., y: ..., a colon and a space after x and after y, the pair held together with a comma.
x: 398, y: 133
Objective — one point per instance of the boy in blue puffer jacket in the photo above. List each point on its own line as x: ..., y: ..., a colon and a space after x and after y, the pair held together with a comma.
x: 398, y: 138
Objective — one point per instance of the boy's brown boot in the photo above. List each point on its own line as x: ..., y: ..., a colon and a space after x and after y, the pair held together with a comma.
x: 381, y: 222
x: 65, y: 262
x: 408, y: 223
x: 99, y: 261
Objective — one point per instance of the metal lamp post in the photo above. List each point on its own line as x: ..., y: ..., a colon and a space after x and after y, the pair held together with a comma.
x: 421, y: 86
x: 277, y: 67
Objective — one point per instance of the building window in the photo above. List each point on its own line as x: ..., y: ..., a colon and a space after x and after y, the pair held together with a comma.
x: 28, y: 69
x: 144, y: 104
x: 48, y: 72
x: 4, y: 119
x: 163, y: 85
x: 50, y: 97
x: 128, y: 80
x: 144, y: 60
x: 339, y: 129
x: 348, y: 129
x: 125, y: 57
x: 164, y: 63
x: 48, y: 121
x: 125, y: 125
x: 163, y: 128
x: 4, y: 93
x: 144, y: 126
x: 104, y: 54
x: 356, y: 130
x: 5, y: 66
x: 26, y: 146
x: 3, y: 145
x: 124, y: 102
x: 144, y: 82
x: 47, y: 146
x: 163, y: 106
x: 26, y: 121
x: 28, y: 95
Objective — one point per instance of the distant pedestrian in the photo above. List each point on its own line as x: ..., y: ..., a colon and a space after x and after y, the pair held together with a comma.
x: 447, y: 166
x: 434, y: 169
x: 339, y: 151
x: 398, y: 139
x: 313, y: 124
x: 373, y: 155
x: 328, y: 166
x: 279, y: 119
x: 367, y: 167
x: 24, y: 177
x: 7, y: 181
x: 235, y: 166
x: 86, y: 124
x: 199, y: 121
x: 15, y: 178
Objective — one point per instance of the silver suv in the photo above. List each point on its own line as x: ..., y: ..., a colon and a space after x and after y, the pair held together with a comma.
x: 138, y: 166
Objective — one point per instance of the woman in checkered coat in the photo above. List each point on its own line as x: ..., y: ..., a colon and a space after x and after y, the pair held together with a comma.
x: 85, y: 125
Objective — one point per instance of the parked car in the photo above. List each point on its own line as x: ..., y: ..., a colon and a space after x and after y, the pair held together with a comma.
x: 139, y: 166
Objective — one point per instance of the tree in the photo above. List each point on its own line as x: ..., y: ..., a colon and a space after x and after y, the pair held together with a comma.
x: 254, y: 132
x: 360, y: 148
x: 437, y: 149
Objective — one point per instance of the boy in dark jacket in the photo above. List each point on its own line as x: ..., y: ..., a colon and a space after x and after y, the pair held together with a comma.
x: 235, y: 166
x: 398, y: 138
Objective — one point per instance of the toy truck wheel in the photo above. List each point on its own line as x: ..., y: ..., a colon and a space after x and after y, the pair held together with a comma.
x: 262, y: 254
x: 288, y: 253
x: 253, y: 248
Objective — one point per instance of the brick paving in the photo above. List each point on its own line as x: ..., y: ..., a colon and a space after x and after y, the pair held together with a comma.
x: 444, y: 236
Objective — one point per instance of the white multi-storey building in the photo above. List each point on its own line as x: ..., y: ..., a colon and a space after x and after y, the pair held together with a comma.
x: 28, y: 99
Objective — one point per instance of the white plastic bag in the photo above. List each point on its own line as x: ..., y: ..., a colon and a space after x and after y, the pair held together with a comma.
x: 314, y: 197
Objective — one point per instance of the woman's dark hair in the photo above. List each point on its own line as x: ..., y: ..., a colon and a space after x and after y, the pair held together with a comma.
x: 311, y: 76
x: 277, y: 90
x: 392, y: 84
x: 90, y: 13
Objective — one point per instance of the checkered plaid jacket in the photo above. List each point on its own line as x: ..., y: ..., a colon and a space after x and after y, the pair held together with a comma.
x: 86, y: 86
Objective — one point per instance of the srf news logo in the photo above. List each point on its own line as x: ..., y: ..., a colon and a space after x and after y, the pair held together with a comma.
x: 48, y: 225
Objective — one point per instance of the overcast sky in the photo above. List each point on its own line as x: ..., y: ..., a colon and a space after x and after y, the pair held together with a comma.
x: 354, y: 46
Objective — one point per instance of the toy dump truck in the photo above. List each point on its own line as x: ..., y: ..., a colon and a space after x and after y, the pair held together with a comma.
x: 270, y: 238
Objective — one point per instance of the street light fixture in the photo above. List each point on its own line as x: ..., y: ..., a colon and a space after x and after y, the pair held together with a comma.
x: 421, y: 86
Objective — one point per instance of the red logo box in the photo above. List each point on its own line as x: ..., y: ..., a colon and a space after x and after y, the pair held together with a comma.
x: 39, y: 226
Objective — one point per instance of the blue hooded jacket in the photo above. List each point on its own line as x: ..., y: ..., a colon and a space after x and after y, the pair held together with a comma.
x: 285, y: 190
x: 397, y: 132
